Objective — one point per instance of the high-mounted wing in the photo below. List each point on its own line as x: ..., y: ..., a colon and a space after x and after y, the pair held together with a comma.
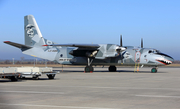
x: 83, y: 50
x: 76, y: 45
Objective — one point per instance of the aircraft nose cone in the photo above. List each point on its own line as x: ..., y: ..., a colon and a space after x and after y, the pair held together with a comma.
x: 169, y: 59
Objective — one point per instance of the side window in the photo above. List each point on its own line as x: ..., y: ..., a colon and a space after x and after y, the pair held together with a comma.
x: 150, y: 51
x: 61, y: 55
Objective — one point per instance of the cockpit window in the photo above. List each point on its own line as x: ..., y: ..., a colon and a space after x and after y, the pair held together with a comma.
x: 150, y: 51
x: 154, y: 51
x: 157, y: 51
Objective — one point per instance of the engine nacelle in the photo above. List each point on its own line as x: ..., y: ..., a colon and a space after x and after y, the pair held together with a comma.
x: 120, y: 49
x: 91, y: 54
x: 83, y: 53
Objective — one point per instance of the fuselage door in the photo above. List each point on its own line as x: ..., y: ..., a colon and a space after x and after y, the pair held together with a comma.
x: 137, y: 57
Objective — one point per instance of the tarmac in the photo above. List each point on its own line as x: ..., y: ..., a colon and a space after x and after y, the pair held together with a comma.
x: 74, y: 89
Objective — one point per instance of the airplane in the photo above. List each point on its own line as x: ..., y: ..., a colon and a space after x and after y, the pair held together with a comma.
x: 90, y: 55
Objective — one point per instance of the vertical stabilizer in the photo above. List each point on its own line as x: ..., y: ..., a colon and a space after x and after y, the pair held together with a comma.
x: 33, y: 36
x: 34, y: 40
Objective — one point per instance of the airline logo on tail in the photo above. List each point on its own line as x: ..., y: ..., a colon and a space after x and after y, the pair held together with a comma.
x: 29, y: 29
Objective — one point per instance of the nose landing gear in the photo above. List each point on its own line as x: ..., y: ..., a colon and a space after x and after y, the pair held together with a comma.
x: 154, y: 70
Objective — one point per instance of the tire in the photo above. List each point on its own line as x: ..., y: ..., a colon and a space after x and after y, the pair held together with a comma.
x: 88, y: 69
x: 153, y: 70
x: 14, y: 78
x: 112, y: 69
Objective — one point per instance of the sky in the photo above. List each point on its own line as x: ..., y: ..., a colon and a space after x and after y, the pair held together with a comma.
x: 94, y: 21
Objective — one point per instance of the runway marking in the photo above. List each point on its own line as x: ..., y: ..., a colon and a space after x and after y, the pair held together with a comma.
x: 32, y: 92
x: 98, y: 87
x: 54, y: 106
x: 136, y: 88
x: 158, y: 96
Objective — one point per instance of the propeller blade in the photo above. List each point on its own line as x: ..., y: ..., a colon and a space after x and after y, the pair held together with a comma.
x: 141, y: 42
x: 121, y: 44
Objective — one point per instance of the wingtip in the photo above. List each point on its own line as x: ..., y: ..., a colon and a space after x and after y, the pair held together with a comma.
x: 6, y: 41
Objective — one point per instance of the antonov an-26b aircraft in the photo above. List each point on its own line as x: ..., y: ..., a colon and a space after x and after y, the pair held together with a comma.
x: 111, y: 55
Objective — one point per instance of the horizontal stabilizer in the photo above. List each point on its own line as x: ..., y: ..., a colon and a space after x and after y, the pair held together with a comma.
x: 21, y: 46
x: 76, y: 45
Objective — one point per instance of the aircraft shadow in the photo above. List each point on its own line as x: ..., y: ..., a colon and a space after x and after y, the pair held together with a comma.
x: 118, y: 71
x: 25, y: 79
x: 39, y: 79
x: 130, y: 71
x: 8, y: 80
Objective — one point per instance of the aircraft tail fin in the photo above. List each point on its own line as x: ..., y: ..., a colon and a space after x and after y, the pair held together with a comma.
x: 34, y: 41
x: 33, y: 36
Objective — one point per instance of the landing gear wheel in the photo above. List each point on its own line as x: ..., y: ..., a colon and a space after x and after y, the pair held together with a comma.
x: 112, y: 69
x: 88, y: 69
x: 14, y: 78
x: 51, y: 76
x: 154, y: 70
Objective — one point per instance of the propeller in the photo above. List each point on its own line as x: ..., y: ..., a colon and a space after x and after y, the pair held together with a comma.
x: 120, y: 49
x: 141, y: 42
x: 121, y: 44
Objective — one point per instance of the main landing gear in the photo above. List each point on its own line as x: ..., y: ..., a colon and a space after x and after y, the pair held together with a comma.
x: 154, y: 70
x: 89, y: 68
x: 112, y: 69
x: 14, y: 78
